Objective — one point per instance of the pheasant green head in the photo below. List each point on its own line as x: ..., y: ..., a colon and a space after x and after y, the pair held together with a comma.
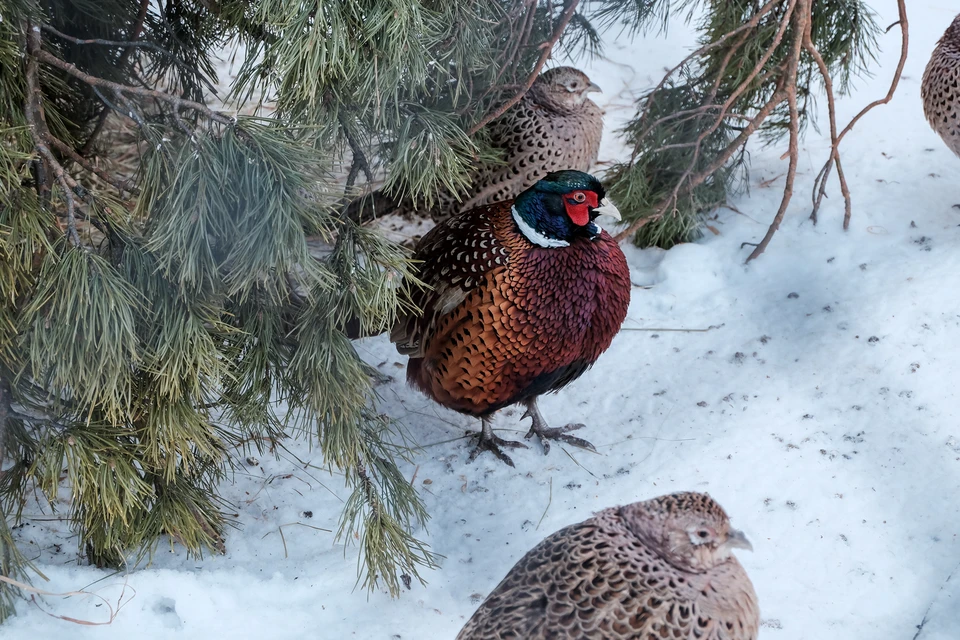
x: 562, y: 207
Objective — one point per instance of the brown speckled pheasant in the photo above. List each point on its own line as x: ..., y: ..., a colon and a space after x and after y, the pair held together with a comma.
x: 663, y: 568
x: 554, y: 126
x: 524, y: 297
x: 940, y: 89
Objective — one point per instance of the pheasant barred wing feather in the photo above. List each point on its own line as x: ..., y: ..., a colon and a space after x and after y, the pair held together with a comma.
x: 453, y: 259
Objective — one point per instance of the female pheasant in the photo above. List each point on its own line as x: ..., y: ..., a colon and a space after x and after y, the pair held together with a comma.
x: 662, y: 568
x: 554, y: 126
x: 523, y: 298
x: 939, y: 88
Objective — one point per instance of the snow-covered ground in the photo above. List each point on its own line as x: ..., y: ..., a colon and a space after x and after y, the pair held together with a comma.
x: 821, y: 410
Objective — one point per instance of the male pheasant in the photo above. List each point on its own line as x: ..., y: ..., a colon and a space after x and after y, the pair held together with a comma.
x: 554, y: 126
x: 523, y: 298
x: 940, y: 88
x: 663, y: 568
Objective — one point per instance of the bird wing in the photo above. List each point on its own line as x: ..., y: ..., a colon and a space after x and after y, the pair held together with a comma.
x: 454, y: 258
x: 571, y: 585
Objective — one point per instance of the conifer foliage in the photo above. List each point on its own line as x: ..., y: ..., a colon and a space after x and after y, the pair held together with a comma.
x: 758, y: 71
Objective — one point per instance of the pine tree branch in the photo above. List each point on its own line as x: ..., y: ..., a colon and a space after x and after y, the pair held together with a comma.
x: 5, y: 401
x: 546, y: 48
x: 801, y: 29
x: 123, y: 89
x: 358, y: 162
x: 119, y: 185
x: 688, y: 180
x: 134, y: 44
x: 819, y: 184
x: 696, y: 180
x: 745, y: 27
x: 33, y: 110
x: 102, y: 120
x: 61, y: 175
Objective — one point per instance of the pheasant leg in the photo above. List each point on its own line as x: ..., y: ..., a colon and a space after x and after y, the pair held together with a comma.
x: 547, y: 433
x: 491, y: 443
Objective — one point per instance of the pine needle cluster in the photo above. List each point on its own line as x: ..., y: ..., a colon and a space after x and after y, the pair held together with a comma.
x: 689, y: 133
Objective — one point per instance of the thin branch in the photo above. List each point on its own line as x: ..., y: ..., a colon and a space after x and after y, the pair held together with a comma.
x: 834, y: 153
x: 802, y: 26
x: 36, y: 122
x: 124, y: 89
x: 102, y: 120
x: 926, y: 614
x: 130, y: 44
x: 5, y: 400
x: 65, y: 184
x: 119, y: 185
x: 359, y: 162
x: 546, y: 49
x: 818, y: 194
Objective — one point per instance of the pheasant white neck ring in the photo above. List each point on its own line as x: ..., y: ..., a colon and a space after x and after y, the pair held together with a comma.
x: 535, y: 236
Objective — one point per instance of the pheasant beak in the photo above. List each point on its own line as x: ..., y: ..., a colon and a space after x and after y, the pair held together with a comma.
x: 607, y: 208
x: 736, y: 540
x: 593, y: 87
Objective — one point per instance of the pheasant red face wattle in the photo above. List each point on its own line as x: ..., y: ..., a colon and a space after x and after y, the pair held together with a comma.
x: 579, y: 204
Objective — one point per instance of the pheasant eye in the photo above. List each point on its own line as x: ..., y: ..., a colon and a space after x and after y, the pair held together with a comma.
x: 579, y: 196
x: 703, y: 534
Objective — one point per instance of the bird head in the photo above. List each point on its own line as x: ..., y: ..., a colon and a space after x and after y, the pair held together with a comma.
x: 562, y: 88
x: 689, y: 530
x: 951, y: 37
x: 562, y: 207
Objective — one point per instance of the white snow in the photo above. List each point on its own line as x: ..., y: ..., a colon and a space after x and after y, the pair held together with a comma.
x: 826, y: 422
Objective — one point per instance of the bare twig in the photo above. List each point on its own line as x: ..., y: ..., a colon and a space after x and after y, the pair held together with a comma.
x: 668, y: 329
x: 834, y: 158
x: 802, y: 26
x: 113, y: 612
x: 127, y: 44
x: 818, y: 194
x: 283, y: 538
x: 546, y: 48
x: 747, y: 26
x: 547, y: 508
x: 926, y: 613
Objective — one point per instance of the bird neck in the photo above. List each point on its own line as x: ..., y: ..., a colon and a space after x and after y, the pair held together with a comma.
x: 529, y: 230
x: 564, y: 103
